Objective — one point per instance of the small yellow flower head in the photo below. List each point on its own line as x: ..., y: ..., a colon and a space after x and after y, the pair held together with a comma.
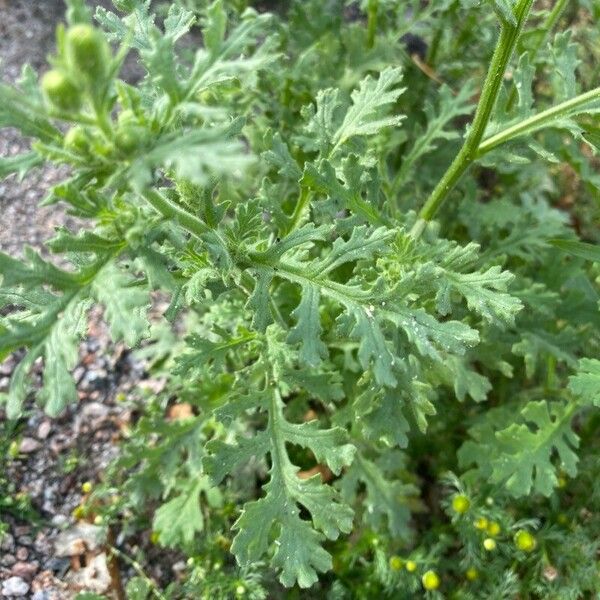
x: 154, y: 537
x: 86, y: 487
x: 460, y: 504
x: 481, y: 523
x: 489, y: 544
x: 78, y: 512
x: 493, y: 528
x: 411, y: 566
x: 240, y: 590
x: 431, y: 580
x: 98, y: 520
x: 525, y: 541
x: 472, y: 574
x: 396, y: 563
x: 562, y: 482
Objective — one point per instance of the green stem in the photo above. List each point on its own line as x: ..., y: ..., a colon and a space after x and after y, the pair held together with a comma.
x: 509, y: 35
x: 299, y: 209
x: 539, y: 121
x: 547, y: 27
x: 172, y: 210
x: 372, y: 10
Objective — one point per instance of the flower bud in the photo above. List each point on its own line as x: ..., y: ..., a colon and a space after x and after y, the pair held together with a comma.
x: 88, y: 52
x: 61, y: 91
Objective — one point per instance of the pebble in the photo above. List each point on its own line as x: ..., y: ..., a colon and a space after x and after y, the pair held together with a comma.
x: 14, y: 586
x: 43, y: 430
x: 25, y: 570
x: 59, y: 520
x: 22, y: 553
x: 29, y: 445
x: 8, y: 560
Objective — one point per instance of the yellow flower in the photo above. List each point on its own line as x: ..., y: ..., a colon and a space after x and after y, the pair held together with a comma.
x: 525, y: 541
x: 411, y: 566
x: 493, y: 528
x: 460, y: 504
x: 489, y: 544
x: 431, y: 580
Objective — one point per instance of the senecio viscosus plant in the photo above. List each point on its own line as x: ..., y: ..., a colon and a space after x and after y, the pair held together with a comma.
x: 335, y: 321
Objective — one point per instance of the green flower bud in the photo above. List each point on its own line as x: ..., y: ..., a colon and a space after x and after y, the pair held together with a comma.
x: 129, y: 137
x: 88, y: 52
x: 61, y: 91
x: 76, y: 140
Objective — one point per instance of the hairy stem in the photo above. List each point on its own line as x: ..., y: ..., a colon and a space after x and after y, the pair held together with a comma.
x: 539, y: 121
x: 509, y: 35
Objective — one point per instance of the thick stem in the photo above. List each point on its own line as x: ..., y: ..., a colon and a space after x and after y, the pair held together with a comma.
x: 509, y: 35
x: 372, y: 10
x: 539, y: 121
x: 171, y: 210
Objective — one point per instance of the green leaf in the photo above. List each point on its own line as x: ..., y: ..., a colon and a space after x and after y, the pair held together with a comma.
x: 276, y: 516
x: 179, y: 519
x: 485, y: 293
x: 586, y: 383
x: 517, y: 448
x: 308, y: 327
x: 385, y: 501
x: 576, y: 248
x: 523, y: 462
x: 450, y: 106
x: 366, y: 114
x: 125, y: 305
x: 20, y: 164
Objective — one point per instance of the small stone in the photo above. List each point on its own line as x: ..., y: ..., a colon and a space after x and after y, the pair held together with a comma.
x: 25, y: 570
x: 8, y: 560
x: 78, y: 539
x: 25, y: 540
x: 43, y: 430
x: 15, y: 586
x: 59, y: 520
x: 94, y: 409
x: 22, y: 553
x: 28, y: 445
